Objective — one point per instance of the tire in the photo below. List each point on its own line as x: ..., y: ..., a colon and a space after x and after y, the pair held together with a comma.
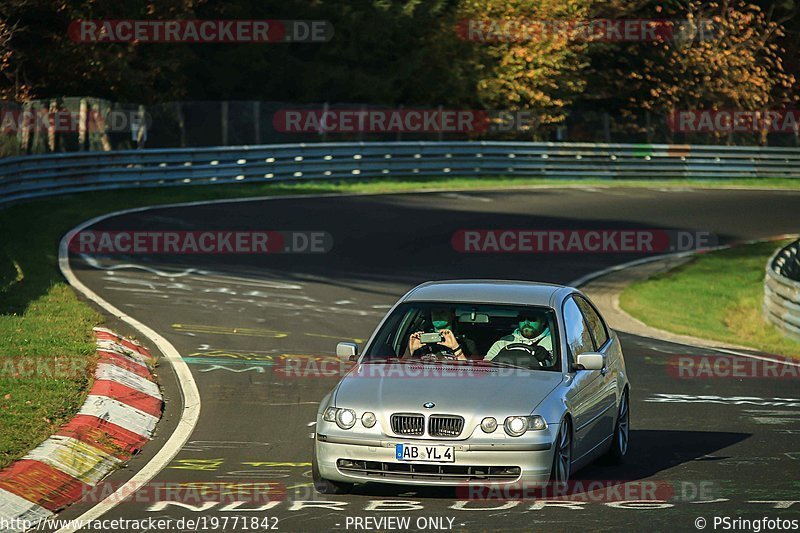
x: 326, y: 486
x: 620, y: 443
x: 562, y: 456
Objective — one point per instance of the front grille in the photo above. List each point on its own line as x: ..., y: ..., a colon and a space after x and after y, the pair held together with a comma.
x: 445, y: 426
x: 408, y: 424
x: 381, y: 470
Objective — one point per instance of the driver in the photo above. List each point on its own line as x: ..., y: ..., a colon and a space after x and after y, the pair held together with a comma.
x: 444, y: 323
x: 532, y: 331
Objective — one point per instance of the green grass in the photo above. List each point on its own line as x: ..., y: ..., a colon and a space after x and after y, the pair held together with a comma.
x: 717, y: 296
x: 42, y: 320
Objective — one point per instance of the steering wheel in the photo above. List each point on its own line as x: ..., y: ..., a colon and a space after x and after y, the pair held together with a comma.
x: 433, y: 351
x: 525, y: 355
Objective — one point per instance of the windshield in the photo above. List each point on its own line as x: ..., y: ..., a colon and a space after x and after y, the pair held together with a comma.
x: 491, y: 334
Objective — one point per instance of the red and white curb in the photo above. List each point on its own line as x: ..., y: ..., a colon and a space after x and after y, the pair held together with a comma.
x: 118, y: 417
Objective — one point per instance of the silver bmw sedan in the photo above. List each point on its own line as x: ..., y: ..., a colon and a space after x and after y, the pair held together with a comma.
x: 476, y: 381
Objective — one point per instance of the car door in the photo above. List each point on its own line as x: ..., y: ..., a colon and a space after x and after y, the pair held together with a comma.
x: 585, y: 397
x: 602, y: 342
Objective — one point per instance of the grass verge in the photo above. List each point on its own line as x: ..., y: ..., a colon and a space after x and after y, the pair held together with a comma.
x: 718, y: 296
x: 43, y: 324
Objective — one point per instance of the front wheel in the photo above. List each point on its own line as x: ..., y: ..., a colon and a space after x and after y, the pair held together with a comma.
x: 622, y: 431
x: 562, y: 458
x: 326, y: 486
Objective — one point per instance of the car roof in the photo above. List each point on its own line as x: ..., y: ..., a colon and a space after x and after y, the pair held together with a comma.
x: 487, y: 291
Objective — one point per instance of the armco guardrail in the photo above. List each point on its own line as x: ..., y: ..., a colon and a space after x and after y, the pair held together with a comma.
x: 782, y: 290
x: 53, y: 174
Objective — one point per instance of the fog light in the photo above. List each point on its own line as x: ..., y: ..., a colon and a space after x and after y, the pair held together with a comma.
x: 368, y: 419
x: 516, y: 425
x: 345, y: 418
x: 489, y: 424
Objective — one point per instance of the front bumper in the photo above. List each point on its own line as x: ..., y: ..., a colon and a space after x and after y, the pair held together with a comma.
x: 356, y: 459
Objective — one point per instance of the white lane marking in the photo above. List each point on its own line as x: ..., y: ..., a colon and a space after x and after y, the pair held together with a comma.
x: 189, y: 393
x: 152, y: 292
x: 459, y: 196
x: 258, y: 369
x: 208, y: 445
x: 215, y: 278
x: 724, y: 400
x: 94, y: 263
x: 773, y: 417
x: 221, y: 290
x: 262, y: 294
x: 131, y: 281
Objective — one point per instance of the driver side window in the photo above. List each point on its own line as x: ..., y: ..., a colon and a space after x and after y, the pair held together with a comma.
x: 579, y: 340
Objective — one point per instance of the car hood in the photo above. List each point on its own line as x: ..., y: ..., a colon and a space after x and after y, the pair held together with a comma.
x: 405, y: 387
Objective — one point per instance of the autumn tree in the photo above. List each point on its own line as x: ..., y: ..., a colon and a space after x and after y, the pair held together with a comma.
x: 729, y: 59
x: 523, y: 54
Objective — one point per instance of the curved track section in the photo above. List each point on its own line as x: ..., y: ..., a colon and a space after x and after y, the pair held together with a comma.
x: 711, y: 447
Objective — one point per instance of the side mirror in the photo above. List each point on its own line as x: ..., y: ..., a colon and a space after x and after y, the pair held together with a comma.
x: 347, y: 351
x: 591, y: 361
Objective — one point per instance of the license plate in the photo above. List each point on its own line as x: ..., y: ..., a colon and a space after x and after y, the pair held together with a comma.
x: 428, y: 454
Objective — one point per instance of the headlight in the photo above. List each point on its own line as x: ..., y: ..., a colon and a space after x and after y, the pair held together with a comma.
x: 489, y: 424
x: 515, y: 426
x: 368, y: 419
x: 345, y: 418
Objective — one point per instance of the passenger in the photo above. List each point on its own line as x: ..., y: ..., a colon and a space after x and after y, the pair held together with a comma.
x: 532, y: 331
x: 444, y: 322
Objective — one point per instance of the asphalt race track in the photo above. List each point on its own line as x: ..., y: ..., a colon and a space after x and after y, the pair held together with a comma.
x: 712, y: 447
